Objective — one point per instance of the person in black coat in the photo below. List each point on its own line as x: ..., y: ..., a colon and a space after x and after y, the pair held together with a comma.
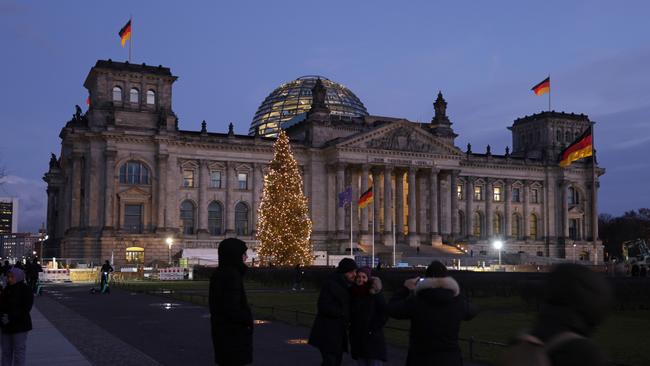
x: 329, y: 332
x: 577, y: 300
x: 368, y: 317
x: 15, y: 304
x: 435, y: 307
x: 230, y: 315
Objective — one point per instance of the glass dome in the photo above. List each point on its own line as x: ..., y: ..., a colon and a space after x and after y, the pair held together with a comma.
x: 293, y: 98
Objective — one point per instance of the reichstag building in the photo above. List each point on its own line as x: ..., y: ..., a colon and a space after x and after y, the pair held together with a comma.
x: 127, y: 178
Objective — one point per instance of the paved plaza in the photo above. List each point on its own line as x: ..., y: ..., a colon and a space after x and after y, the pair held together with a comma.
x: 73, y: 327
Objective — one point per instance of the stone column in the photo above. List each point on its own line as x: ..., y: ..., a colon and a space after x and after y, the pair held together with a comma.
x: 454, y: 204
x: 354, y: 184
x: 255, y: 200
x: 388, y: 206
x: 340, y: 211
x: 489, y: 216
x: 109, y: 194
x: 469, y: 203
x: 565, y: 209
x: 399, y: 203
x: 434, y: 225
x: 203, y: 199
x: 412, y: 213
x: 332, y: 200
x: 594, y: 219
x: 364, y: 188
x: 375, y: 202
x: 507, y: 211
x: 526, y: 219
x: 75, y: 209
x: 161, y: 199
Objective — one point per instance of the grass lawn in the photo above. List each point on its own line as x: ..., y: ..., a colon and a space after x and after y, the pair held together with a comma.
x: 622, y: 336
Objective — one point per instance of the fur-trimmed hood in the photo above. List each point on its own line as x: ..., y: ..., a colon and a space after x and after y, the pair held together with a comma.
x: 447, y: 283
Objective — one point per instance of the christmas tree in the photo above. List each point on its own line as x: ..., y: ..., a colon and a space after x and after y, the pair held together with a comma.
x: 284, y: 227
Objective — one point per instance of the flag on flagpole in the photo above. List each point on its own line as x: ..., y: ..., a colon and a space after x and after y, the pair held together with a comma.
x: 125, y: 33
x: 543, y: 87
x: 345, y: 197
x: 582, y: 147
x: 366, y: 198
x: 88, y: 101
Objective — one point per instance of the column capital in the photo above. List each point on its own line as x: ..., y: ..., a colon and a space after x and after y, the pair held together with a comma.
x: 389, y: 168
x: 434, y: 171
x: 341, y: 166
x: 162, y: 156
x: 412, y: 170
x: 365, y: 168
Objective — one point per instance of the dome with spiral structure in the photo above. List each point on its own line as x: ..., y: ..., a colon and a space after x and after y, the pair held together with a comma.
x: 293, y: 98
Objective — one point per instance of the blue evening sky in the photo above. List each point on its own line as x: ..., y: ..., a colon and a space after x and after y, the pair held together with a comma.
x: 394, y: 55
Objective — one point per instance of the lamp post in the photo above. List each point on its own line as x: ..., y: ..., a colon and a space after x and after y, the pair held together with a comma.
x: 574, y: 252
x: 42, y: 240
x: 498, y: 244
x: 170, y: 242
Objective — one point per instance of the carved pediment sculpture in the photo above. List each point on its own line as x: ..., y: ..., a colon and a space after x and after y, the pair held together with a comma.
x: 402, y: 139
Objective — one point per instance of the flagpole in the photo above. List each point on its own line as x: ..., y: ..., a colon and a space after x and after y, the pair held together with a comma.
x: 373, y: 233
x: 130, y: 38
x: 394, y: 235
x: 549, y: 92
x: 351, y: 252
x: 594, y: 196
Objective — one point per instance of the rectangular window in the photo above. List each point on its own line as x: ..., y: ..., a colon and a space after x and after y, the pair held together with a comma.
x: 534, y: 196
x: 188, y: 178
x: 459, y: 191
x: 215, y: 179
x: 497, y: 194
x: 515, y: 195
x: 242, y: 178
x: 478, y: 193
x: 540, y: 253
x: 133, y: 218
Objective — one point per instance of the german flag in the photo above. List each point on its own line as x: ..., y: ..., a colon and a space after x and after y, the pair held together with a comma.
x: 366, y: 198
x: 582, y: 147
x: 125, y: 33
x: 543, y: 87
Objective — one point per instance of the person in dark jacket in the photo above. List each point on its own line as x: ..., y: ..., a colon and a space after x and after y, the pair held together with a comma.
x: 297, y: 277
x: 577, y: 300
x: 435, y: 307
x: 230, y: 315
x: 15, y: 304
x: 329, y: 332
x: 368, y: 315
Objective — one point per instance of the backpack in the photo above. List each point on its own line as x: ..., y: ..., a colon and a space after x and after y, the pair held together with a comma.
x: 531, y: 351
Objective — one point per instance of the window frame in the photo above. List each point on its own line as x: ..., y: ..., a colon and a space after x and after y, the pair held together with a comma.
x: 129, y: 227
x: 497, y: 194
x: 478, y: 192
x: 186, y: 229
x: 189, y: 182
x: 212, y: 180
x: 516, y: 197
x: 215, y: 222
x: 239, y: 215
x: 127, y: 177
x: 243, y: 186
x: 151, y: 93
x: 118, y: 89
x: 137, y: 96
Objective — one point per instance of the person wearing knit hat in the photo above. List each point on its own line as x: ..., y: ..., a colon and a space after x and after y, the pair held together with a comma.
x: 368, y: 317
x: 15, y: 304
x: 329, y: 333
x: 435, y: 306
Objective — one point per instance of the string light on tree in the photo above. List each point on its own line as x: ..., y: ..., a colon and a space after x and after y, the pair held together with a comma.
x: 284, y: 227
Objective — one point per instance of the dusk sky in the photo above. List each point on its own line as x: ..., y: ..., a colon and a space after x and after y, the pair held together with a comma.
x: 394, y: 55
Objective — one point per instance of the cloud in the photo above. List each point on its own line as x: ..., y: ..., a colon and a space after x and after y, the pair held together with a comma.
x: 32, y: 200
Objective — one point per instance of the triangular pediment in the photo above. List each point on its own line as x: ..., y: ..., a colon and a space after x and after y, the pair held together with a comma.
x: 400, y: 136
x: 576, y: 211
x: 134, y: 192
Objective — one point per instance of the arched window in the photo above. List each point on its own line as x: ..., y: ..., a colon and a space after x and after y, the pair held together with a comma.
x: 477, y: 229
x: 574, y: 196
x: 187, y: 217
x: 497, y: 224
x: 567, y: 137
x: 558, y: 136
x: 151, y: 97
x: 533, y: 226
x: 134, y: 95
x: 241, y: 219
x: 461, y: 221
x: 117, y: 94
x: 215, y: 218
x: 134, y: 172
x: 516, y: 226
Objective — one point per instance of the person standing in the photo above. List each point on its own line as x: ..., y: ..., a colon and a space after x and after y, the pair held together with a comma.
x: 230, y: 315
x: 576, y: 301
x: 435, y: 307
x: 297, y: 278
x: 368, y: 315
x: 329, y: 333
x: 15, y: 304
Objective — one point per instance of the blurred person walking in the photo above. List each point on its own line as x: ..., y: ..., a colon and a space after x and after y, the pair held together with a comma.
x: 329, y: 332
x: 368, y: 315
x: 15, y: 304
x: 230, y: 314
x: 435, y: 307
x: 576, y: 301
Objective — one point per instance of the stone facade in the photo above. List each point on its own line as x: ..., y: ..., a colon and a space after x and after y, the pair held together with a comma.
x: 127, y: 179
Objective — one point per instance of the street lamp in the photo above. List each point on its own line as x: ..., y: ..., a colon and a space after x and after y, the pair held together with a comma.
x: 574, y: 252
x: 498, y: 244
x: 170, y: 242
x: 42, y: 240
